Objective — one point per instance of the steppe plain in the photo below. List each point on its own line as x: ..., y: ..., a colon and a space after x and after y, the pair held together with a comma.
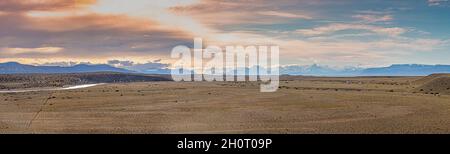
x: 301, y: 105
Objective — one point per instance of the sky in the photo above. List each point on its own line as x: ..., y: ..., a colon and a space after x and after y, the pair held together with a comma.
x: 336, y: 33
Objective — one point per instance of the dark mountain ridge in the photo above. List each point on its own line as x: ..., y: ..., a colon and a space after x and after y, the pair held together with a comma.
x: 17, y: 68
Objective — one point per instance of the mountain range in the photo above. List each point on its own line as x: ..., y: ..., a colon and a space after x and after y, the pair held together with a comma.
x: 393, y: 70
x: 307, y: 70
x: 17, y: 68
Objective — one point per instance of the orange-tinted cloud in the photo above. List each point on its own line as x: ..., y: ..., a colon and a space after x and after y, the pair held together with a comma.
x: 42, y: 5
x: 86, y: 35
x: 92, y: 21
x: 41, y: 50
x: 223, y: 12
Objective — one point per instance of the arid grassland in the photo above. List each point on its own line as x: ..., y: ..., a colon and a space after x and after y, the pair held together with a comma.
x: 301, y: 105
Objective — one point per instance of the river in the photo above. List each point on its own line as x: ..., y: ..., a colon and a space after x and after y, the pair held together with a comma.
x: 52, y: 89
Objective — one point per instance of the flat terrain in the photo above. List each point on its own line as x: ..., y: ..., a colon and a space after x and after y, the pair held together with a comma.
x: 301, y: 105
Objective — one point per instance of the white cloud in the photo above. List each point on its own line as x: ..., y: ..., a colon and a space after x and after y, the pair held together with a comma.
x: 436, y: 2
x: 120, y: 63
x: 390, y: 31
x: 284, y: 14
x: 58, y: 63
x: 373, y: 18
x: 140, y: 67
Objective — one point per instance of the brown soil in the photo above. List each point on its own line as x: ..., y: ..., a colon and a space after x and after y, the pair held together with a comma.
x: 305, y: 105
x: 438, y: 85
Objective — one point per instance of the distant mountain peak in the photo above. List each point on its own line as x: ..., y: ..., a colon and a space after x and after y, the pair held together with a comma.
x: 11, y: 63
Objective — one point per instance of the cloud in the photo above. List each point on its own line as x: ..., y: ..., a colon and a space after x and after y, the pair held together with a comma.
x: 63, y: 64
x: 120, y: 63
x: 410, y: 44
x: 43, y: 5
x: 284, y: 14
x: 370, y: 18
x: 219, y: 13
x: 364, y: 40
x: 91, y: 21
x: 41, y: 50
x: 139, y: 67
x: 390, y: 31
x: 84, y: 35
x: 436, y: 2
x: 142, y: 67
x: 355, y: 51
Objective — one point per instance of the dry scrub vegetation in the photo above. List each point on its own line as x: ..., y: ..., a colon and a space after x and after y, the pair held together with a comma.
x: 301, y: 105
